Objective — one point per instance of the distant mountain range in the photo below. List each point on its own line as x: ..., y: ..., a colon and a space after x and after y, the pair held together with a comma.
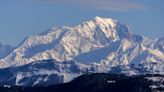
x: 5, y: 50
x: 61, y: 54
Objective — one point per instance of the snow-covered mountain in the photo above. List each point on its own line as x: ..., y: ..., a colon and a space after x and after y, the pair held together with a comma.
x: 42, y: 73
x: 67, y: 43
x: 99, y: 45
x: 101, y: 39
x: 5, y: 50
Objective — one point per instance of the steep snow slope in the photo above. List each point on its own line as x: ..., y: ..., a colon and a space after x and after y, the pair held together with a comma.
x: 101, y: 40
x: 50, y: 72
x: 65, y: 43
x: 42, y: 73
x: 61, y: 54
x: 159, y: 44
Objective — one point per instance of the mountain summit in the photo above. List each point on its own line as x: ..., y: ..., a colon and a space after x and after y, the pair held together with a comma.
x: 66, y: 43
x: 61, y: 54
x: 101, y: 39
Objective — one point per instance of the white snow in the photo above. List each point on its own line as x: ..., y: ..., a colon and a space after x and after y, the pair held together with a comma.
x: 111, y: 81
x: 6, y: 86
x: 38, y: 81
x: 66, y: 43
x: 100, y: 44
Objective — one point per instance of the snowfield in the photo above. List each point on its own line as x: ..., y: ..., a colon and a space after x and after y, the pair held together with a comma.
x: 61, y: 54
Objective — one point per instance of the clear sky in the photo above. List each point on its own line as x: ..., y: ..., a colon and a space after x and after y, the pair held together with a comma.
x: 21, y: 18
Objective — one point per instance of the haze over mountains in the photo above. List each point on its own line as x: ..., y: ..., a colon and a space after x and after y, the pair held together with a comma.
x: 5, y: 50
x: 64, y: 53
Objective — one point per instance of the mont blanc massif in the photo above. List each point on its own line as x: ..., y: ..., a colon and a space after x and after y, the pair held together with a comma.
x: 61, y: 54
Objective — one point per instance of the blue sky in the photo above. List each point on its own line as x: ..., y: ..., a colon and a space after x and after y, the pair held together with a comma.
x: 21, y: 18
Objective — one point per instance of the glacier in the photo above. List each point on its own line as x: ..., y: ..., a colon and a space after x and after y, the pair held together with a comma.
x: 100, y: 45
